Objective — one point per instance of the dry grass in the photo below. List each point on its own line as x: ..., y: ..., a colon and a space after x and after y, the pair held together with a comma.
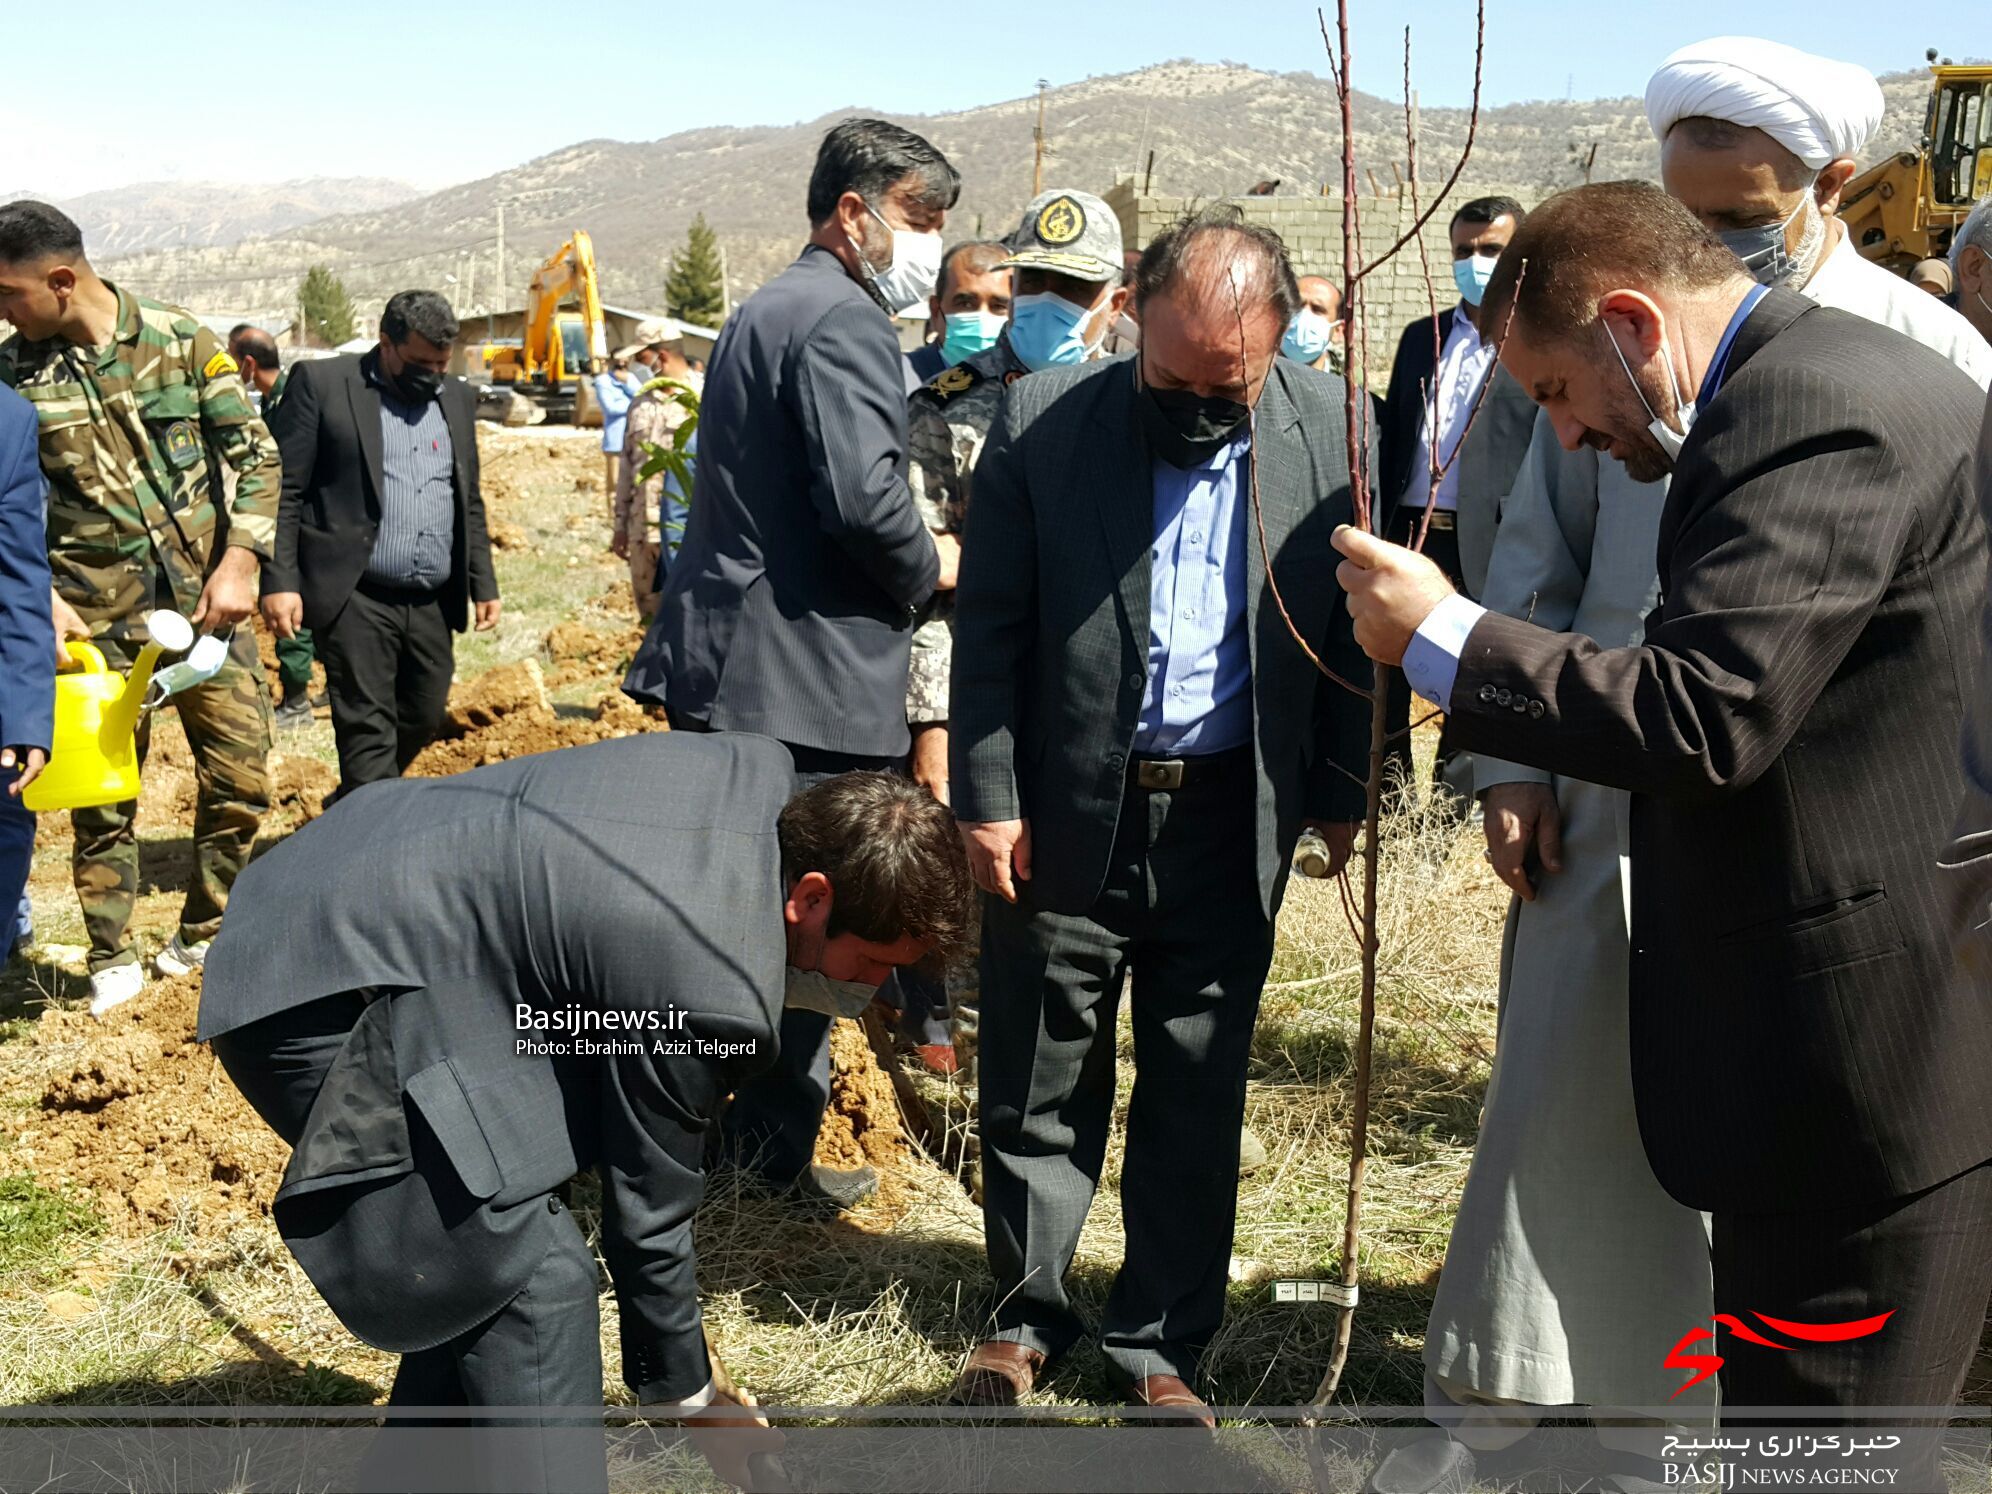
x: 876, y: 1308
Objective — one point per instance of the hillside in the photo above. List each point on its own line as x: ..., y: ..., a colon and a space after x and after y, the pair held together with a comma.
x: 1214, y: 129
x: 175, y: 215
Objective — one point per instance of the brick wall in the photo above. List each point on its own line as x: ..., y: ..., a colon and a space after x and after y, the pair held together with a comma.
x: 1312, y: 228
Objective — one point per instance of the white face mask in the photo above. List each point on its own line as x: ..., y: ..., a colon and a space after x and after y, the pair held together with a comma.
x: 203, y: 663
x: 814, y: 991
x: 1671, y: 441
x: 915, y: 270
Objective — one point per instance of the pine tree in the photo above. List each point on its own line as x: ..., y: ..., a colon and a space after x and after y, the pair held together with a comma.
x: 326, y: 308
x: 692, y: 285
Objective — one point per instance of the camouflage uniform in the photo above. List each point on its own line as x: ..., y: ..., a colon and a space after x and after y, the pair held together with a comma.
x: 654, y: 418
x: 948, y: 419
x: 134, y: 436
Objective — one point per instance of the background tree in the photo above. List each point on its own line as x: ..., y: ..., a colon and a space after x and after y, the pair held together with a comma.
x: 693, y: 284
x: 326, y: 308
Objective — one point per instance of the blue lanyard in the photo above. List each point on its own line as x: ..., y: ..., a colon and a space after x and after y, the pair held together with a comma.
x: 1718, y: 367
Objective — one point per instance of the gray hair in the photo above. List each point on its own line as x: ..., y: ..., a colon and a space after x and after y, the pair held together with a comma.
x: 423, y: 311
x: 1976, y: 231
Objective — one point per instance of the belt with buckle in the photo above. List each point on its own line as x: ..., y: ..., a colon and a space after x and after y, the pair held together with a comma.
x: 1167, y: 774
x: 1442, y: 518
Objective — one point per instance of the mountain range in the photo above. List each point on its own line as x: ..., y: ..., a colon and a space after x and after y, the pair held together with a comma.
x: 1187, y: 127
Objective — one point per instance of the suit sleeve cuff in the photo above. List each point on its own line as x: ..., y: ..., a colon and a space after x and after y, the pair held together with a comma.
x: 1431, y: 662
x: 704, y: 1396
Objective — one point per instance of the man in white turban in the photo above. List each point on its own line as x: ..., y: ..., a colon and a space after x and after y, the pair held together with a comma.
x: 1569, y: 1265
x: 1758, y: 140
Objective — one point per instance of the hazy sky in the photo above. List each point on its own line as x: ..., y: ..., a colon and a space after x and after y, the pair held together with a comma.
x: 440, y: 93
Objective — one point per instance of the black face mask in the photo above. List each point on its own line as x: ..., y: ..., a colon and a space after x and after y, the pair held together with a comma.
x: 1187, y: 429
x: 416, y: 385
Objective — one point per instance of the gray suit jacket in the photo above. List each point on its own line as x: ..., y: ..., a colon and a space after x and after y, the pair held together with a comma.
x: 629, y: 877
x: 789, y: 607
x: 1488, y: 465
x: 1051, y: 622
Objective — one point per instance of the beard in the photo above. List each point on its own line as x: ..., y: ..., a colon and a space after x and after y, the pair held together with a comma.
x: 1625, y: 423
x: 1646, y: 462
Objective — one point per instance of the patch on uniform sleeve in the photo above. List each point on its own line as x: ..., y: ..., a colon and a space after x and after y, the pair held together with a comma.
x: 949, y: 382
x: 183, y: 445
x: 220, y: 364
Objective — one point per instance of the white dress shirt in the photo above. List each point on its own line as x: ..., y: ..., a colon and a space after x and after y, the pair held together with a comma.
x: 1464, y: 364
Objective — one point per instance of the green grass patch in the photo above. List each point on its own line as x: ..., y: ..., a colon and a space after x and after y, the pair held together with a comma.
x: 34, y: 1219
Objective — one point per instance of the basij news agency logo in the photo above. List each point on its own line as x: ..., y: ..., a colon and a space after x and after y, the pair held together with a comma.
x: 1707, y: 1364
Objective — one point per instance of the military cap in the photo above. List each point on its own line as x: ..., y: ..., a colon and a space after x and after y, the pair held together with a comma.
x: 1068, y: 233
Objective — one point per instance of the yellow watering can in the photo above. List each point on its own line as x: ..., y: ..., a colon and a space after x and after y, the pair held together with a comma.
x: 94, y: 759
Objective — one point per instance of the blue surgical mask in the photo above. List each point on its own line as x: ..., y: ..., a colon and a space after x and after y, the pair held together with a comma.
x: 969, y: 333
x: 1047, y: 330
x: 1471, y: 276
x: 1307, y: 336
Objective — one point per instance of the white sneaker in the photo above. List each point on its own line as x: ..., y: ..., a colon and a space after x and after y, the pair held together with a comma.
x: 179, y: 958
x: 114, y: 987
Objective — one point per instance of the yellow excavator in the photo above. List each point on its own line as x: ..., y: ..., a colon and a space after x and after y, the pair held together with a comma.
x: 1907, y: 207
x: 562, y: 348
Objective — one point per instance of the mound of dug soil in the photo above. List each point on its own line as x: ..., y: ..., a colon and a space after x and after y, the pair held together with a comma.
x: 136, y: 1111
x: 580, y: 652
x: 861, y: 1122
x: 505, y: 714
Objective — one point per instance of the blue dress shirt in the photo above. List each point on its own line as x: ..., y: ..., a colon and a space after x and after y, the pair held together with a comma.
x: 1199, y: 698
x: 1431, y: 659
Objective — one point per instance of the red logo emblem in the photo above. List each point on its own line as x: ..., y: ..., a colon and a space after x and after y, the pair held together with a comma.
x: 1705, y: 1365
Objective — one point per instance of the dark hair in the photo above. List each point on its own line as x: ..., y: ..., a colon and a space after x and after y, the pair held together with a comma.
x: 891, y: 852
x: 258, y: 344
x: 983, y: 256
x: 425, y: 312
x: 31, y: 232
x: 1589, y: 240
x: 870, y: 157
x: 1488, y: 210
x: 1221, y: 228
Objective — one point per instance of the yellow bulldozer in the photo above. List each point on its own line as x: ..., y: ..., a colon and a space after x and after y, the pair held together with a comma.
x: 1907, y: 207
x: 562, y: 347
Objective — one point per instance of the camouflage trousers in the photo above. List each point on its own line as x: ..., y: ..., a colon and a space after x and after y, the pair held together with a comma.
x: 227, y: 721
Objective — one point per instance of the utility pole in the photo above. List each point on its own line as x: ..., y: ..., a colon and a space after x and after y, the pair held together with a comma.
x: 498, y: 291
x: 1037, y: 164
x: 725, y: 284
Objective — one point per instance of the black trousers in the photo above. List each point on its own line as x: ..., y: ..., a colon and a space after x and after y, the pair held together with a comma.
x: 543, y: 1348
x: 1181, y: 906
x: 772, y: 1123
x: 388, y: 661
x: 1927, y: 1259
x: 1442, y: 549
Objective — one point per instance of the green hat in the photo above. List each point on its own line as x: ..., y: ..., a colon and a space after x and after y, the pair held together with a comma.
x: 1068, y: 233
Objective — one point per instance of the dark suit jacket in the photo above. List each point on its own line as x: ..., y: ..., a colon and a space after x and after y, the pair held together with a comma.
x: 327, y: 426
x: 626, y: 877
x: 1487, y: 463
x: 1788, y: 731
x: 1966, y: 864
x: 1051, y: 622
x: 27, y: 634
x: 789, y: 607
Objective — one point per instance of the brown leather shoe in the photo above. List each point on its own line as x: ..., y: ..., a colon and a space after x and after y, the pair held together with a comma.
x: 1167, y: 1390
x: 998, y: 1373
